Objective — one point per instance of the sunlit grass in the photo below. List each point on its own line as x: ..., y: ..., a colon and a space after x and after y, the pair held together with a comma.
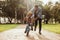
x: 52, y: 27
x: 4, y: 27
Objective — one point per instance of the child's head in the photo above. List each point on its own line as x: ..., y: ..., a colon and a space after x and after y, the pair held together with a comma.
x: 29, y: 14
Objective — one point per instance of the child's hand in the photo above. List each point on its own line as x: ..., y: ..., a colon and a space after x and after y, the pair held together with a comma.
x: 25, y: 19
x: 36, y: 18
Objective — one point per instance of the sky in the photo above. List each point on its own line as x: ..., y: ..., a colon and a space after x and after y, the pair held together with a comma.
x: 2, y: 0
x: 46, y: 1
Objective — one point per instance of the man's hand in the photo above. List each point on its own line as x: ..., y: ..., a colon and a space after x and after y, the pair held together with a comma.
x: 36, y: 18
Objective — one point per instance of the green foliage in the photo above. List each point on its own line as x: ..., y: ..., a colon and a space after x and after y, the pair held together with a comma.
x: 4, y: 27
x: 52, y: 11
x: 52, y: 27
x: 12, y: 8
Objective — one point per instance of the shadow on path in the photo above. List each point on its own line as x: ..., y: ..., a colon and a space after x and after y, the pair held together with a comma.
x: 18, y: 34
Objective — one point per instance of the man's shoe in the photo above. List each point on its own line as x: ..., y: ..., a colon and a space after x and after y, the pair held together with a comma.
x: 34, y: 29
x: 25, y: 32
x: 40, y: 33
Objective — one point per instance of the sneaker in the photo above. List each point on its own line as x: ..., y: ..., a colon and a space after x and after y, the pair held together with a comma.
x: 25, y: 32
x: 40, y: 33
x: 34, y: 29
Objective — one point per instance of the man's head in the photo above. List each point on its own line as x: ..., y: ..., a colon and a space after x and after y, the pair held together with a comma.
x: 36, y: 7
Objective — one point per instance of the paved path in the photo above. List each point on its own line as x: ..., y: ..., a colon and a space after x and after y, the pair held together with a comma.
x: 18, y: 34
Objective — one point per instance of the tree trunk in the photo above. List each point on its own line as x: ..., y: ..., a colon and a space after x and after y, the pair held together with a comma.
x: 0, y: 20
x: 4, y: 20
x: 55, y: 20
x: 59, y: 21
x: 47, y: 21
x: 10, y: 20
x: 51, y: 21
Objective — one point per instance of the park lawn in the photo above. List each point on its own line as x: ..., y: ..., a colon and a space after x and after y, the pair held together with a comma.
x: 52, y: 27
x: 4, y: 27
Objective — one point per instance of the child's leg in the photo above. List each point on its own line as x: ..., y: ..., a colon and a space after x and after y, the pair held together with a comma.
x: 27, y: 28
x: 32, y: 26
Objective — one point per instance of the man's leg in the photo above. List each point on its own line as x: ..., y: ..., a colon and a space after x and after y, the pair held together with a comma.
x: 32, y: 27
x: 35, y: 25
x: 40, y: 25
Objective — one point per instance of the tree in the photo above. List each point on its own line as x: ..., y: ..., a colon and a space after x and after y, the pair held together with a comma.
x: 46, y: 12
x: 56, y: 12
x: 14, y: 9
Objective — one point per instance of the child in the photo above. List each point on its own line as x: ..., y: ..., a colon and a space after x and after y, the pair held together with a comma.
x: 29, y: 21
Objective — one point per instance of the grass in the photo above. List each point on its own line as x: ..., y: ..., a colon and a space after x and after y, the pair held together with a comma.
x: 4, y: 27
x: 52, y: 27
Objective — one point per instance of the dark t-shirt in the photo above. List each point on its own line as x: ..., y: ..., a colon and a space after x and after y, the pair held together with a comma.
x: 35, y: 14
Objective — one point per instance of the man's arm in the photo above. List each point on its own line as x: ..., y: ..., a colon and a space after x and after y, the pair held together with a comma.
x: 32, y: 10
x: 40, y: 13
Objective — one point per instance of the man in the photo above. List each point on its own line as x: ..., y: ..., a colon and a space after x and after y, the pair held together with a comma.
x: 37, y: 14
